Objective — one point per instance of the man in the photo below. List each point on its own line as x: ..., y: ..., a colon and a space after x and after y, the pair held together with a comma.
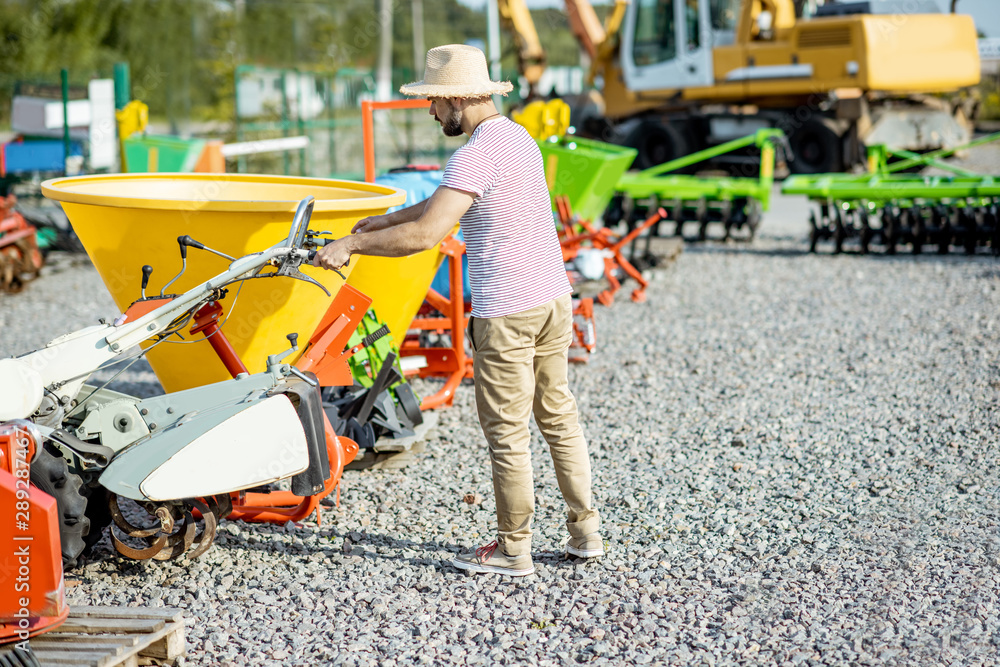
x: 521, y: 324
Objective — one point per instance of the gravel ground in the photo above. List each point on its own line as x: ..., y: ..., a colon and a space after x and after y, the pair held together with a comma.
x: 795, y: 457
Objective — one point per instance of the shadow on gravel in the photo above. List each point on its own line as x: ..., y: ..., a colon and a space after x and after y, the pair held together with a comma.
x: 363, y: 544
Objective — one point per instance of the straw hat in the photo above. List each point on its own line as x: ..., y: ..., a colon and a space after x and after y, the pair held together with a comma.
x: 456, y: 70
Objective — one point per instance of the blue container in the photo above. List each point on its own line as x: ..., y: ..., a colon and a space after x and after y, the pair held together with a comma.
x: 31, y: 155
x: 420, y: 185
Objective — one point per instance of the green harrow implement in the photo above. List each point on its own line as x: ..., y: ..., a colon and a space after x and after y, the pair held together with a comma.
x: 893, y: 209
x: 736, y: 202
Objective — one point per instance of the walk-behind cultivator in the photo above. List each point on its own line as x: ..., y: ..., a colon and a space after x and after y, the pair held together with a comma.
x: 889, y: 208
x: 736, y: 203
x: 242, y: 433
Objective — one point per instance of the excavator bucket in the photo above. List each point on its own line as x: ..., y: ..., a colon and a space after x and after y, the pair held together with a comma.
x: 127, y: 220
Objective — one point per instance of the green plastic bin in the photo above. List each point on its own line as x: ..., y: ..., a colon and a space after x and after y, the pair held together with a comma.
x: 154, y: 153
x: 585, y: 171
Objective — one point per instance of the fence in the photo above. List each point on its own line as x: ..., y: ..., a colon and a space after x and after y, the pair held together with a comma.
x: 325, y: 107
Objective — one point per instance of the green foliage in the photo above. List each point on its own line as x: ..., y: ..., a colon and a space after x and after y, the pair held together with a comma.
x: 183, y: 53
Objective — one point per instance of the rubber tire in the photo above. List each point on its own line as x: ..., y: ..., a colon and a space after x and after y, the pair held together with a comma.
x: 99, y: 514
x: 816, y: 147
x: 12, y: 656
x: 50, y: 473
x: 656, y: 142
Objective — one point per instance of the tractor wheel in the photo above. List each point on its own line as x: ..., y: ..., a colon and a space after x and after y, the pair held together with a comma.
x: 50, y: 473
x: 656, y: 142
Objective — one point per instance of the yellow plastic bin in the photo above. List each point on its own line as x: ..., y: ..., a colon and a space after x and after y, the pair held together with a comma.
x: 127, y: 220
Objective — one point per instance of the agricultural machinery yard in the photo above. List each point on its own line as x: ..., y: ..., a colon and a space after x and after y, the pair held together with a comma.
x: 795, y: 458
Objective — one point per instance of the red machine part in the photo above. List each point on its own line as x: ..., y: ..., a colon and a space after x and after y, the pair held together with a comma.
x: 32, y: 592
x: 19, y: 253
x: 604, y: 239
x: 584, y: 331
x: 325, y: 355
x: 206, y: 321
x: 16, y: 446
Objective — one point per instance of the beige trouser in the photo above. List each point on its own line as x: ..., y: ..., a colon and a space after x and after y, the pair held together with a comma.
x: 520, y: 368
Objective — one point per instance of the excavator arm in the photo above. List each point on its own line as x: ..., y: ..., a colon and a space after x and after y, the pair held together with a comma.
x: 530, y: 54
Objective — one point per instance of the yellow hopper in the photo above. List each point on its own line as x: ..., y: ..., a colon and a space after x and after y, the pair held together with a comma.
x: 127, y: 220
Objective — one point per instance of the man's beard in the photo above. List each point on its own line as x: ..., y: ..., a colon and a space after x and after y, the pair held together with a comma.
x: 451, y: 124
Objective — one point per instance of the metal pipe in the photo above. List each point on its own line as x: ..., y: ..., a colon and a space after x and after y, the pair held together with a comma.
x: 64, y: 77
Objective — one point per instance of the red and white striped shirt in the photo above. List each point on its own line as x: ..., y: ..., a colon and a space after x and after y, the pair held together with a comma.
x: 515, y: 262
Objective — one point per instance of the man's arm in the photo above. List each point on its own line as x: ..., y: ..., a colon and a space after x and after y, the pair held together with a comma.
x: 440, y: 214
x: 374, y: 223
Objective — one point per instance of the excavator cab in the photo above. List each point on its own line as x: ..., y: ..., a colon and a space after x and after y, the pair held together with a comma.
x: 669, y: 42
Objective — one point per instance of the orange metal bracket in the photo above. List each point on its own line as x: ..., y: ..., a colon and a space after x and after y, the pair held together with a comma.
x: 325, y: 356
x: 450, y: 362
x: 368, y: 127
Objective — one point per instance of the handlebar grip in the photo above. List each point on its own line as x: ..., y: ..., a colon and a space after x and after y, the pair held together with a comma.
x: 185, y: 241
x: 147, y: 271
x: 311, y: 256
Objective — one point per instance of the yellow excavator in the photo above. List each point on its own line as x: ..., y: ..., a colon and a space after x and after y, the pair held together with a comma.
x: 675, y: 76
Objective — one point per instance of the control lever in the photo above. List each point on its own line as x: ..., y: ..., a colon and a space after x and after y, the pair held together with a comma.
x: 147, y: 271
x: 186, y: 240
x: 293, y: 338
x: 182, y: 242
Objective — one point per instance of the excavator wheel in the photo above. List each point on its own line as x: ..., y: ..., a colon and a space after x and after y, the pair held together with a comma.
x: 656, y: 142
x: 816, y: 147
x: 50, y: 473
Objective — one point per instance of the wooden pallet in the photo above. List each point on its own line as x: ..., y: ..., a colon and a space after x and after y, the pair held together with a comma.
x: 113, y: 637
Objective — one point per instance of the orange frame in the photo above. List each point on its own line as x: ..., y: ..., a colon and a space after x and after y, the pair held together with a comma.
x: 368, y: 127
x: 450, y: 362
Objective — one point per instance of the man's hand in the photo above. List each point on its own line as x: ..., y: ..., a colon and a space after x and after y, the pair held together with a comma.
x: 333, y: 255
x: 372, y: 223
